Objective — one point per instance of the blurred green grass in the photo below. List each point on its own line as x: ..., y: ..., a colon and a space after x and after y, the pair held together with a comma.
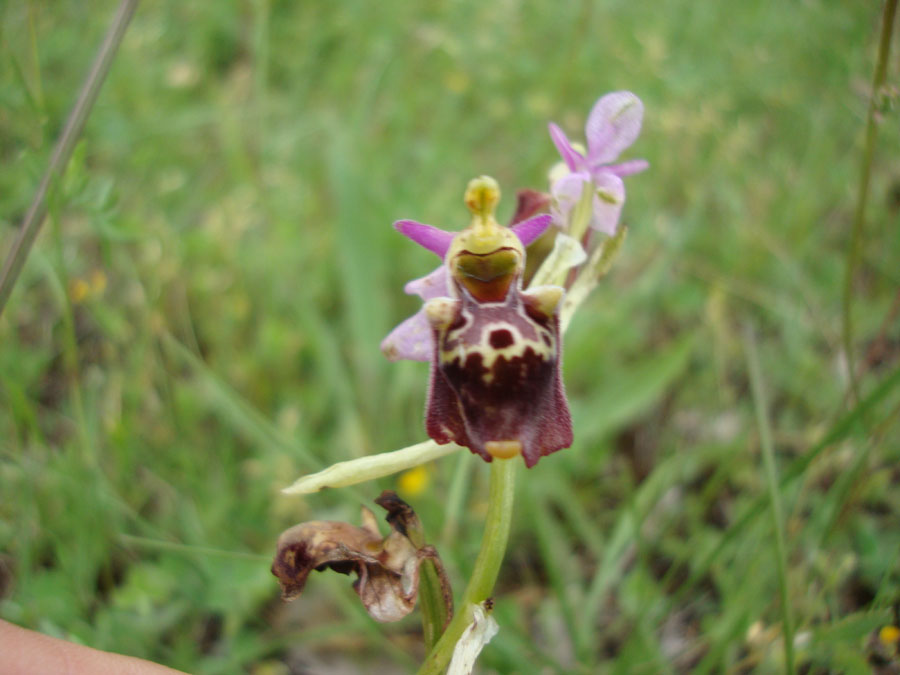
x: 199, y: 324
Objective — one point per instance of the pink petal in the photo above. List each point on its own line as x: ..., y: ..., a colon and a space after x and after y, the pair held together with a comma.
x: 529, y: 230
x: 435, y: 240
x: 412, y: 339
x: 628, y: 168
x: 607, y: 210
x: 573, y: 159
x: 613, y: 125
x: 435, y: 284
x: 566, y: 193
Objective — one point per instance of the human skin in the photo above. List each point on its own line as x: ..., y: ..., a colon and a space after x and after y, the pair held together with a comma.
x: 25, y: 652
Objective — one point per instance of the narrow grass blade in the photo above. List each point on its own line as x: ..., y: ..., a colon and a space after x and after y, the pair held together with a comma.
x: 768, y: 453
x: 862, y: 196
x: 34, y: 217
x: 456, y: 495
x: 201, y: 551
x: 554, y: 548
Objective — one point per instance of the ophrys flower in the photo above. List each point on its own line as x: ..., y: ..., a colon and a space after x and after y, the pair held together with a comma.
x: 495, y: 382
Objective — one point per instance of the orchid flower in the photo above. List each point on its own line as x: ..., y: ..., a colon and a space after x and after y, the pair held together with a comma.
x: 613, y: 124
x: 495, y: 384
x: 411, y: 339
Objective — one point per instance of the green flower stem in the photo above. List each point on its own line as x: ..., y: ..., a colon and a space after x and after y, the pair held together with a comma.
x: 434, y: 608
x: 859, y: 217
x: 435, y: 597
x: 487, y: 565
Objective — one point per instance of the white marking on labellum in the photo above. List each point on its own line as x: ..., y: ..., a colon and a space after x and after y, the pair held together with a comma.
x: 496, y: 339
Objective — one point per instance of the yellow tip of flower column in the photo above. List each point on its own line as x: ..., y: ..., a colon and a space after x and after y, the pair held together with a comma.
x: 482, y: 196
x: 484, y: 234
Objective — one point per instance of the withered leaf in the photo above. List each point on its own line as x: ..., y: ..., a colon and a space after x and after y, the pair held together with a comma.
x: 387, y: 568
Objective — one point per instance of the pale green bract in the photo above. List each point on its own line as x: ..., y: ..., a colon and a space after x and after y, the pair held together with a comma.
x: 371, y: 467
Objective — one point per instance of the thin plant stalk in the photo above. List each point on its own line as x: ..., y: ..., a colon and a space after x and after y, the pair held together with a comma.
x: 487, y: 565
x: 768, y: 453
x: 859, y: 217
x: 435, y: 598
x: 433, y: 607
x: 62, y: 152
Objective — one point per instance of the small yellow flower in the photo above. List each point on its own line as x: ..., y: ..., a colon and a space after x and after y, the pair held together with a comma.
x: 79, y: 290
x: 413, y: 482
x: 889, y: 636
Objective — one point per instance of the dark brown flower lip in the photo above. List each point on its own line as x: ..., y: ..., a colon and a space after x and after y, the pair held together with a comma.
x: 497, y: 375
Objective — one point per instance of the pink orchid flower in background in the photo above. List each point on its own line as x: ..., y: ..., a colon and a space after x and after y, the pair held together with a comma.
x: 613, y: 125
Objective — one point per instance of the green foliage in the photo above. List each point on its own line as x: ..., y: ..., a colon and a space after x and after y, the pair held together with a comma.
x: 198, y: 324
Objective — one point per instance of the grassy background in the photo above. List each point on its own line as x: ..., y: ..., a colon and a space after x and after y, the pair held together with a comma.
x: 199, y: 324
